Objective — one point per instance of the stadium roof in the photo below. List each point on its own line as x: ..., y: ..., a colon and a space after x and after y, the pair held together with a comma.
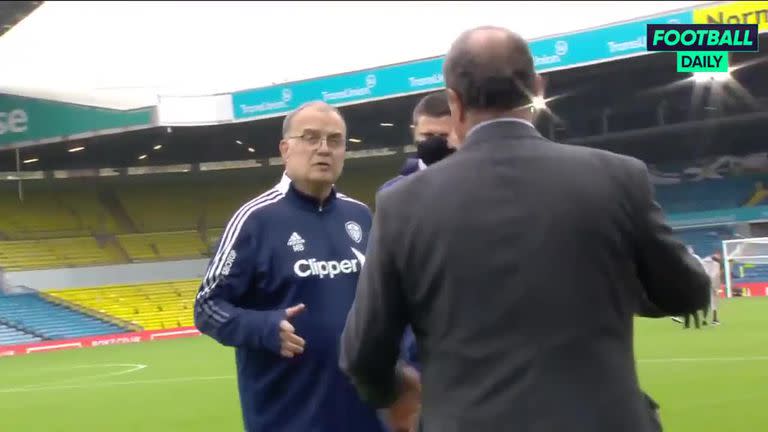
x: 606, y: 43
x: 219, y: 47
x: 13, y: 12
x: 638, y: 105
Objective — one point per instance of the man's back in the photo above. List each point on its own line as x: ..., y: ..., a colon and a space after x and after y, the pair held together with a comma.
x: 530, y: 327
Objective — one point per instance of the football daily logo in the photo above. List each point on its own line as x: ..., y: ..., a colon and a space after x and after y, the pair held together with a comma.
x: 702, y: 47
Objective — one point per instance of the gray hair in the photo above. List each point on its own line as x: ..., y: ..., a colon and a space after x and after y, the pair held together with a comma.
x: 319, y: 104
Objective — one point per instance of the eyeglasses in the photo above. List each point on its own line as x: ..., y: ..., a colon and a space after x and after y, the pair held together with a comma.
x: 314, y: 138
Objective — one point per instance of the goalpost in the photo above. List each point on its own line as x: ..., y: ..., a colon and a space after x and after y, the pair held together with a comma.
x: 740, y: 256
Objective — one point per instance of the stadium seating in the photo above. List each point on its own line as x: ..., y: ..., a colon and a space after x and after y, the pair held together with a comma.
x: 213, y: 237
x: 705, y: 241
x: 166, y: 208
x: 33, y: 313
x: 706, y: 194
x: 48, y: 214
x: 46, y: 253
x: 162, y: 246
x: 12, y: 336
x: 152, y: 306
x: 750, y: 273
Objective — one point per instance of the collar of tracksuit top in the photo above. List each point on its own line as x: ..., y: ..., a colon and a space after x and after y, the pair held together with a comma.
x: 304, y: 201
x: 310, y: 203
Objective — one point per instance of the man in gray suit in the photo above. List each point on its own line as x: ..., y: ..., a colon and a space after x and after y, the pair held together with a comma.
x: 476, y: 251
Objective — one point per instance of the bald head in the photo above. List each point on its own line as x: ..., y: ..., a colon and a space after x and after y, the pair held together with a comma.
x: 315, y: 105
x: 490, y: 69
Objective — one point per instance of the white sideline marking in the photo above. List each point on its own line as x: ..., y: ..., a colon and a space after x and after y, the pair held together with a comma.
x: 50, y: 347
x: 116, y: 383
x: 172, y: 333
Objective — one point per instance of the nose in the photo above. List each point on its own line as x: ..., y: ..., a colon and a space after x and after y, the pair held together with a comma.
x: 323, y: 146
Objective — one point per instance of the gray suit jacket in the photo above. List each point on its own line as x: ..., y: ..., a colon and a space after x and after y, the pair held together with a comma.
x: 520, y: 264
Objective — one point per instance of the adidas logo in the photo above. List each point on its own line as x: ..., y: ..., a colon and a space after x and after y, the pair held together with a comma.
x: 296, y: 242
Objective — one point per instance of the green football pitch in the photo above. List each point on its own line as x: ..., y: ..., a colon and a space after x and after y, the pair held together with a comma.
x: 713, y: 379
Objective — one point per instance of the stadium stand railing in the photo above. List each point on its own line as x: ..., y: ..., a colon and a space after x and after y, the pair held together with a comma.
x: 152, y: 306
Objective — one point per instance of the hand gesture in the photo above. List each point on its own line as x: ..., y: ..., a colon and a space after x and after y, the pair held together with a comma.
x: 403, y: 414
x: 291, y: 344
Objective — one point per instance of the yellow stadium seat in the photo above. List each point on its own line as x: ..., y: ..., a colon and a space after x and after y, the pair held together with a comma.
x: 163, y: 246
x: 45, y: 253
x: 156, y: 305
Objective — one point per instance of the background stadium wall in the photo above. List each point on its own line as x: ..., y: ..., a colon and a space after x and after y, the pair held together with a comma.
x: 108, y: 275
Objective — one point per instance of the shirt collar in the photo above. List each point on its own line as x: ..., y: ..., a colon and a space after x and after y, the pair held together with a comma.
x: 422, y: 165
x: 498, y: 120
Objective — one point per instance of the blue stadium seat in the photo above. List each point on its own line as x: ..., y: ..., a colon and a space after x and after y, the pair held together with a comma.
x: 706, y: 194
x: 34, y: 313
x: 705, y: 241
x: 12, y: 336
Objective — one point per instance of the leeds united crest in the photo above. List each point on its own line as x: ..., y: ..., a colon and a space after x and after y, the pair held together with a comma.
x: 354, y: 231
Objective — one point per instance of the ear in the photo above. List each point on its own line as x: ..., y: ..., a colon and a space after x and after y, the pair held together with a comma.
x: 454, y: 103
x: 284, y: 148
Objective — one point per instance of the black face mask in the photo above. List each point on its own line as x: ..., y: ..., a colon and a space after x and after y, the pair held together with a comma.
x: 433, y: 149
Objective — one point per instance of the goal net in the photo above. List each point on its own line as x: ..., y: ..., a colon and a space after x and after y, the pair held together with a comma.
x: 745, y: 261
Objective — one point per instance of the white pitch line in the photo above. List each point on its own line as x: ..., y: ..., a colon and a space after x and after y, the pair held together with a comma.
x: 131, y: 367
x: 226, y: 377
x: 117, y: 383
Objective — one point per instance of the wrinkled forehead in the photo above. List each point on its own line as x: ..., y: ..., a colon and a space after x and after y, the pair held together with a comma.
x: 426, y: 125
x: 317, y: 120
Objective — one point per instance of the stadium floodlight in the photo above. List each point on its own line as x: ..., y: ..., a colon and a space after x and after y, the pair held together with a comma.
x: 251, y: 149
x: 538, y: 103
x: 711, y: 76
x: 355, y: 140
x: 142, y: 157
x: 741, y: 256
x: 158, y: 147
x: 239, y: 142
x: 28, y: 161
x: 76, y: 149
x: 386, y: 124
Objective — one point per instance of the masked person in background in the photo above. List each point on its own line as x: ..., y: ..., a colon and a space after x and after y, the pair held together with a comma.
x: 435, y: 140
x: 432, y: 133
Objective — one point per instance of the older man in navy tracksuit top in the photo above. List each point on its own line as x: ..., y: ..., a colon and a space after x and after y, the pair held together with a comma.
x: 282, y: 282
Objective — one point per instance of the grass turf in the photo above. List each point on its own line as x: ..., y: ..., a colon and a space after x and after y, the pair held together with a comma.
x: 708, y: 380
